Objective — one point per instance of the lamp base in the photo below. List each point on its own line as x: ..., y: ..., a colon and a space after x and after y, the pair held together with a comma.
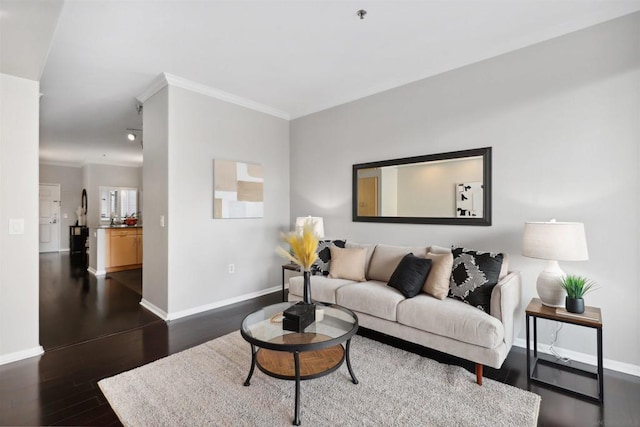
x: 548, y: 285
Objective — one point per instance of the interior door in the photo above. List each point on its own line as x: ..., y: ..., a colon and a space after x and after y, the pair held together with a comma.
x: 49, y: 218
x: 368, y: 196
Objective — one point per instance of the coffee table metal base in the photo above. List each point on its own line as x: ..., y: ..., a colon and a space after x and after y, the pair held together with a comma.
x: 297, y: 366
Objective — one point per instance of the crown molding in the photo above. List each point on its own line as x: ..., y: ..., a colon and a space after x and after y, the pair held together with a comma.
x: 63, y: 164
x: 166, y: 79
x: 154, y: 87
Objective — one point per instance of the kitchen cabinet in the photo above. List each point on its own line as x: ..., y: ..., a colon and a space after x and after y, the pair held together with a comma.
x: 123, y: 249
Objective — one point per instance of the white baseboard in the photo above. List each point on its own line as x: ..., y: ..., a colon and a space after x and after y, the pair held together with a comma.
x: 200, y: 309
x: 614, y: 365
x: 96, y: 272
x: 154, y: 309
x: 19, y: 355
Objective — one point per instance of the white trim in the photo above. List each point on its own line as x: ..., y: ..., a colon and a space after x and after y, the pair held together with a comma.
x: 82, y: 164
x: 22, y: 354
x: 154, y: 87
x: 63, y: 164
x: 96, y: 272
x: 165, y: 79
x: 614, y: 365
x: 218, y: 304
x: 64, y: 250
x: 154, y: 309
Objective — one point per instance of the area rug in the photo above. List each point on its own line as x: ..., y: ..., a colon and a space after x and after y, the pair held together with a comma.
x: 204, y: 386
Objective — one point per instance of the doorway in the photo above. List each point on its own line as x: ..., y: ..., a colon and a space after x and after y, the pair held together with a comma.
x: 368, y: 196
x: 49, y: 218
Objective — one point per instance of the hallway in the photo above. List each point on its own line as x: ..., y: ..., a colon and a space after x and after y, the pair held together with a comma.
x: 76, y: 306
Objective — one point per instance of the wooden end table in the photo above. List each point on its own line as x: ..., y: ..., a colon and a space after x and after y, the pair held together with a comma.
x: 591, y: 318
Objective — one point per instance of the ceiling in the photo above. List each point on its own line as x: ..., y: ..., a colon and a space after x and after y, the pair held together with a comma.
x: 296, y: 57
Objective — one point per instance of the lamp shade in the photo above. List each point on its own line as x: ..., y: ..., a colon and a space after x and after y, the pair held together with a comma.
x: 318, y: 225
x: 559, y: 241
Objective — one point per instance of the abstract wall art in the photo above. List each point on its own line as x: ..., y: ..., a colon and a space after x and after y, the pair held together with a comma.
x: 469, y: 199
x: 238, y: 189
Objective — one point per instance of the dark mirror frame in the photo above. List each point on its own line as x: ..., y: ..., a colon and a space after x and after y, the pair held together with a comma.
x: 486, y: 178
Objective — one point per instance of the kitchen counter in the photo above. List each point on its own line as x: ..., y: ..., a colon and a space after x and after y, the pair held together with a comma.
x: 117, y: 226
x: 115, y: 248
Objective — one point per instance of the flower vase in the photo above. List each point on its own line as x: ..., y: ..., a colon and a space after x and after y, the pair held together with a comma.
x: 307, y: 287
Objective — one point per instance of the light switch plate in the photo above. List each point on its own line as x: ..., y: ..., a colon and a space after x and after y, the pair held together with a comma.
x: 16, y: 226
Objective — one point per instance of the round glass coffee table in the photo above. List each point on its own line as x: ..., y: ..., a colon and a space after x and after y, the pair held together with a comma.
x: 299, y: 356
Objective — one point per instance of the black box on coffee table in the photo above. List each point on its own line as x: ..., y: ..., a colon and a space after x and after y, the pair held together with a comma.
x: 298, y: 316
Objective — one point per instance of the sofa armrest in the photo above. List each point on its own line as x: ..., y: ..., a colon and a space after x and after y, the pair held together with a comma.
x: 506, y: 305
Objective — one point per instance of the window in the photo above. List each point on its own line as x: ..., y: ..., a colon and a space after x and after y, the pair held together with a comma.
x: 117, y: 203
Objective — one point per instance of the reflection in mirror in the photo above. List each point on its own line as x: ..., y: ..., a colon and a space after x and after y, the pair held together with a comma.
x: 117, y: 203
x: 446, y: 188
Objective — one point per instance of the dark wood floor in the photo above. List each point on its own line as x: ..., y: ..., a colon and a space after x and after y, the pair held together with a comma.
x: 75, y: 306
x: 60, y: 387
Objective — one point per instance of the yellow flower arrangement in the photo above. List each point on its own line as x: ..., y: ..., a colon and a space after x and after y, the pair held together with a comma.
x: 303, y: 246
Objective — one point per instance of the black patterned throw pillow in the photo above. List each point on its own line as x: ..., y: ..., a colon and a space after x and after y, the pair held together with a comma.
x: 410, y: 274
x: 322, y: 264
x: 473, y: 276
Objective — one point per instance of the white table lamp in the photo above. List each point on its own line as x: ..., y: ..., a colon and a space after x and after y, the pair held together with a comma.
x: 554, y: 241
x: 318, y: 225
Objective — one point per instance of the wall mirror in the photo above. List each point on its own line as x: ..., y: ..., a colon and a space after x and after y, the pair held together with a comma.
x: 446, y: 188
x: 117, y: 202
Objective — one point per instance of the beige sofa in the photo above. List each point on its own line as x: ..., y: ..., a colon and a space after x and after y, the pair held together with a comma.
x: 450, y: 325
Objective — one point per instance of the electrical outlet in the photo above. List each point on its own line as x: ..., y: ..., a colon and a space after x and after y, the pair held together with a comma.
x: 232, y: 268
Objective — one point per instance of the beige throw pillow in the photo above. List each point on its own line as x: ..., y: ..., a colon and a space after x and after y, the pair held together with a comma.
x: 347, y: 263
x: 437, y: 283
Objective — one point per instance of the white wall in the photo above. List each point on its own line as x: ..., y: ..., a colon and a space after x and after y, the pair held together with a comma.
x: 563, y: 120
x: 19, y: 289
x: 97, y: 176
x: 201, y: 129
x: 70, y: 180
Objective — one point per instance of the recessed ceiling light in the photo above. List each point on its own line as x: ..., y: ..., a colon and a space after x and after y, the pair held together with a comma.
x: 131, y: 136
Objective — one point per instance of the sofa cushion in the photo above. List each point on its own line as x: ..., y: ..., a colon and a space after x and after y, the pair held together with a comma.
x: 386, y: 258
x: 437, y: 283
x: 347, y: 263
x: 474, y: 275
x: 451, y: 318
x: 435, y: 249
x: 410, y: 275
x: 368, y: 247
x: 372, y: 297
x: 322, y: 288
x: 323, y: 262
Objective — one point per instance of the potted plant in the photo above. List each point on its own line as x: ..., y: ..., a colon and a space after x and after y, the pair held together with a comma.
x: 576, y: 287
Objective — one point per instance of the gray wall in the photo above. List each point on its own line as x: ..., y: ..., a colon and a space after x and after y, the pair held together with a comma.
x: 19, y: 115
x: 186, y: 262
x: 201, y: 129
x: 70, y: 180
x: 156, y: 200
x: 563, y: 120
